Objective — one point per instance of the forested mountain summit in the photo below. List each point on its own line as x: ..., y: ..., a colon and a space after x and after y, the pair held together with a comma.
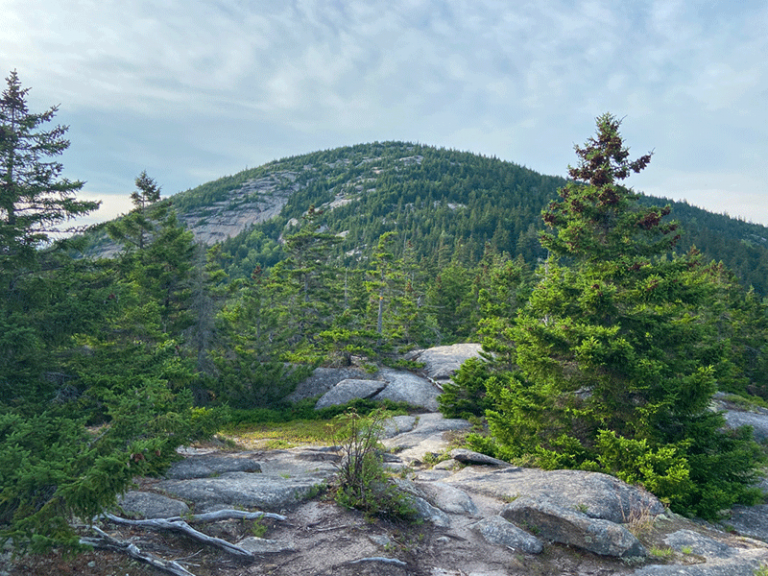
x: 447, y: 204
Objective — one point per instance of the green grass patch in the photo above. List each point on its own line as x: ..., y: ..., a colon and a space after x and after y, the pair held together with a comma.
x: 291, y: 425
x: 305, y: 410
x: 277, y: 435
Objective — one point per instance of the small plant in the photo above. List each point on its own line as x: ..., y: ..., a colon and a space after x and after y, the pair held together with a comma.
x: 640, y: 520
x: 370, y: 368
x: 535, y: 530
x: 661, y: 552
x: 315, y: 491
x: 406, y: 472
x: 581, y: 507
x: 431, y: 458
x: 686, y: 550
x: 762, y: 571
x: 258, y: 528
x: 362, y: 481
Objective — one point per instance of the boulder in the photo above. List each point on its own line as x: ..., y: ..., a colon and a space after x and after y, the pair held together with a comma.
x: 243, y: 489
x: 720, y: 558
x: 469, y: 457
x: 596, y: 495
x: 409, y: 388
x: 348, y: 390
x: 424, y: 510
x: 448, y: 498
x: 398, y: 425
x: 497, y: 530
x: 136, y: 504
x: 758, y: 421
x: 399, y: 386
x: 211, y: 465
x: 750, y: 521
x: 698, y: 544
x: 427, y: 436
x: 573, y: 528
x: 428, y: 513
x: 323, y: 379
x: 441, y: 362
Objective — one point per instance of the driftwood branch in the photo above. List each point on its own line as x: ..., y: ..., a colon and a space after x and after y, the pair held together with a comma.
x: 107, y: 542
x: 181, y: 526
x: 228, y: 515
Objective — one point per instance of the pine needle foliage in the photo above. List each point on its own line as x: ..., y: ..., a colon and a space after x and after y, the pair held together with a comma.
x: 613, y: 354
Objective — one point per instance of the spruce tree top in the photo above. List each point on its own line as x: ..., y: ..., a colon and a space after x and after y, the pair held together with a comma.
x: 596, y: 218
x: 33, y: 196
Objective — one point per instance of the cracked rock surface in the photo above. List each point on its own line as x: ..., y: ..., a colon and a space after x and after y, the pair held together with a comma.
x: 485, y: 518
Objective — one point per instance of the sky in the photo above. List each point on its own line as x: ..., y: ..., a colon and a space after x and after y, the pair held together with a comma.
x: 194, y: 90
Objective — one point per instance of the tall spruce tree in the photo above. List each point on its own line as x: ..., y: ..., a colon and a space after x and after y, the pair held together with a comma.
x: 34, y: 197
x: 134, y: 229
x: 128, y: 376
x: 34, y: 200
x: 616, y: 362
x: 313, y: 280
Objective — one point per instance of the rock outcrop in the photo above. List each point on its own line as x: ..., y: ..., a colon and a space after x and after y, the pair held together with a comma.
x: 441, y: 362
x: 340, y: 385
x: 572, y: 527
x: 479, y: 516
x: 483, y: 518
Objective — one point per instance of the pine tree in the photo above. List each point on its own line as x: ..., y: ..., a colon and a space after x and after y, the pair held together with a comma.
x: 34, y: 198
x: 309, y: 269
x: 616, y: 362
x: 133, y: 229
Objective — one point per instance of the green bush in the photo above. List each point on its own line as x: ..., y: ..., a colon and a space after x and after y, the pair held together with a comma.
x: 362, y: 481
x: 664, y: 471
x: 465, y: 396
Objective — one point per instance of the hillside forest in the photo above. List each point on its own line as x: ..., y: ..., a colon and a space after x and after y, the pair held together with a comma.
x: 608, y: 319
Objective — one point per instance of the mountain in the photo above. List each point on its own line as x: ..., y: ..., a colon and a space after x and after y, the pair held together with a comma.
x: 447, y: 204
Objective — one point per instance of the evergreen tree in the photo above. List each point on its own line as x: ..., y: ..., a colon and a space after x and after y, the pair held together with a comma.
x: 312, y: 277
x: 85, y: 343
x: 133, y: 229
x: 253, y: 334
x: 34, y: 198
x: 616, y: 364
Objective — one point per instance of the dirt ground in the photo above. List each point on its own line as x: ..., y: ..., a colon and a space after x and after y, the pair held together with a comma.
x: 324, y: 537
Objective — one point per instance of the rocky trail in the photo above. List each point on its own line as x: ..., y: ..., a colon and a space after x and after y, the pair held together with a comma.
x: 477, y: 516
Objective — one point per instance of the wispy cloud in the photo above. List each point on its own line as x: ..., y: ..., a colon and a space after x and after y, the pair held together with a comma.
x: 191, y: 91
